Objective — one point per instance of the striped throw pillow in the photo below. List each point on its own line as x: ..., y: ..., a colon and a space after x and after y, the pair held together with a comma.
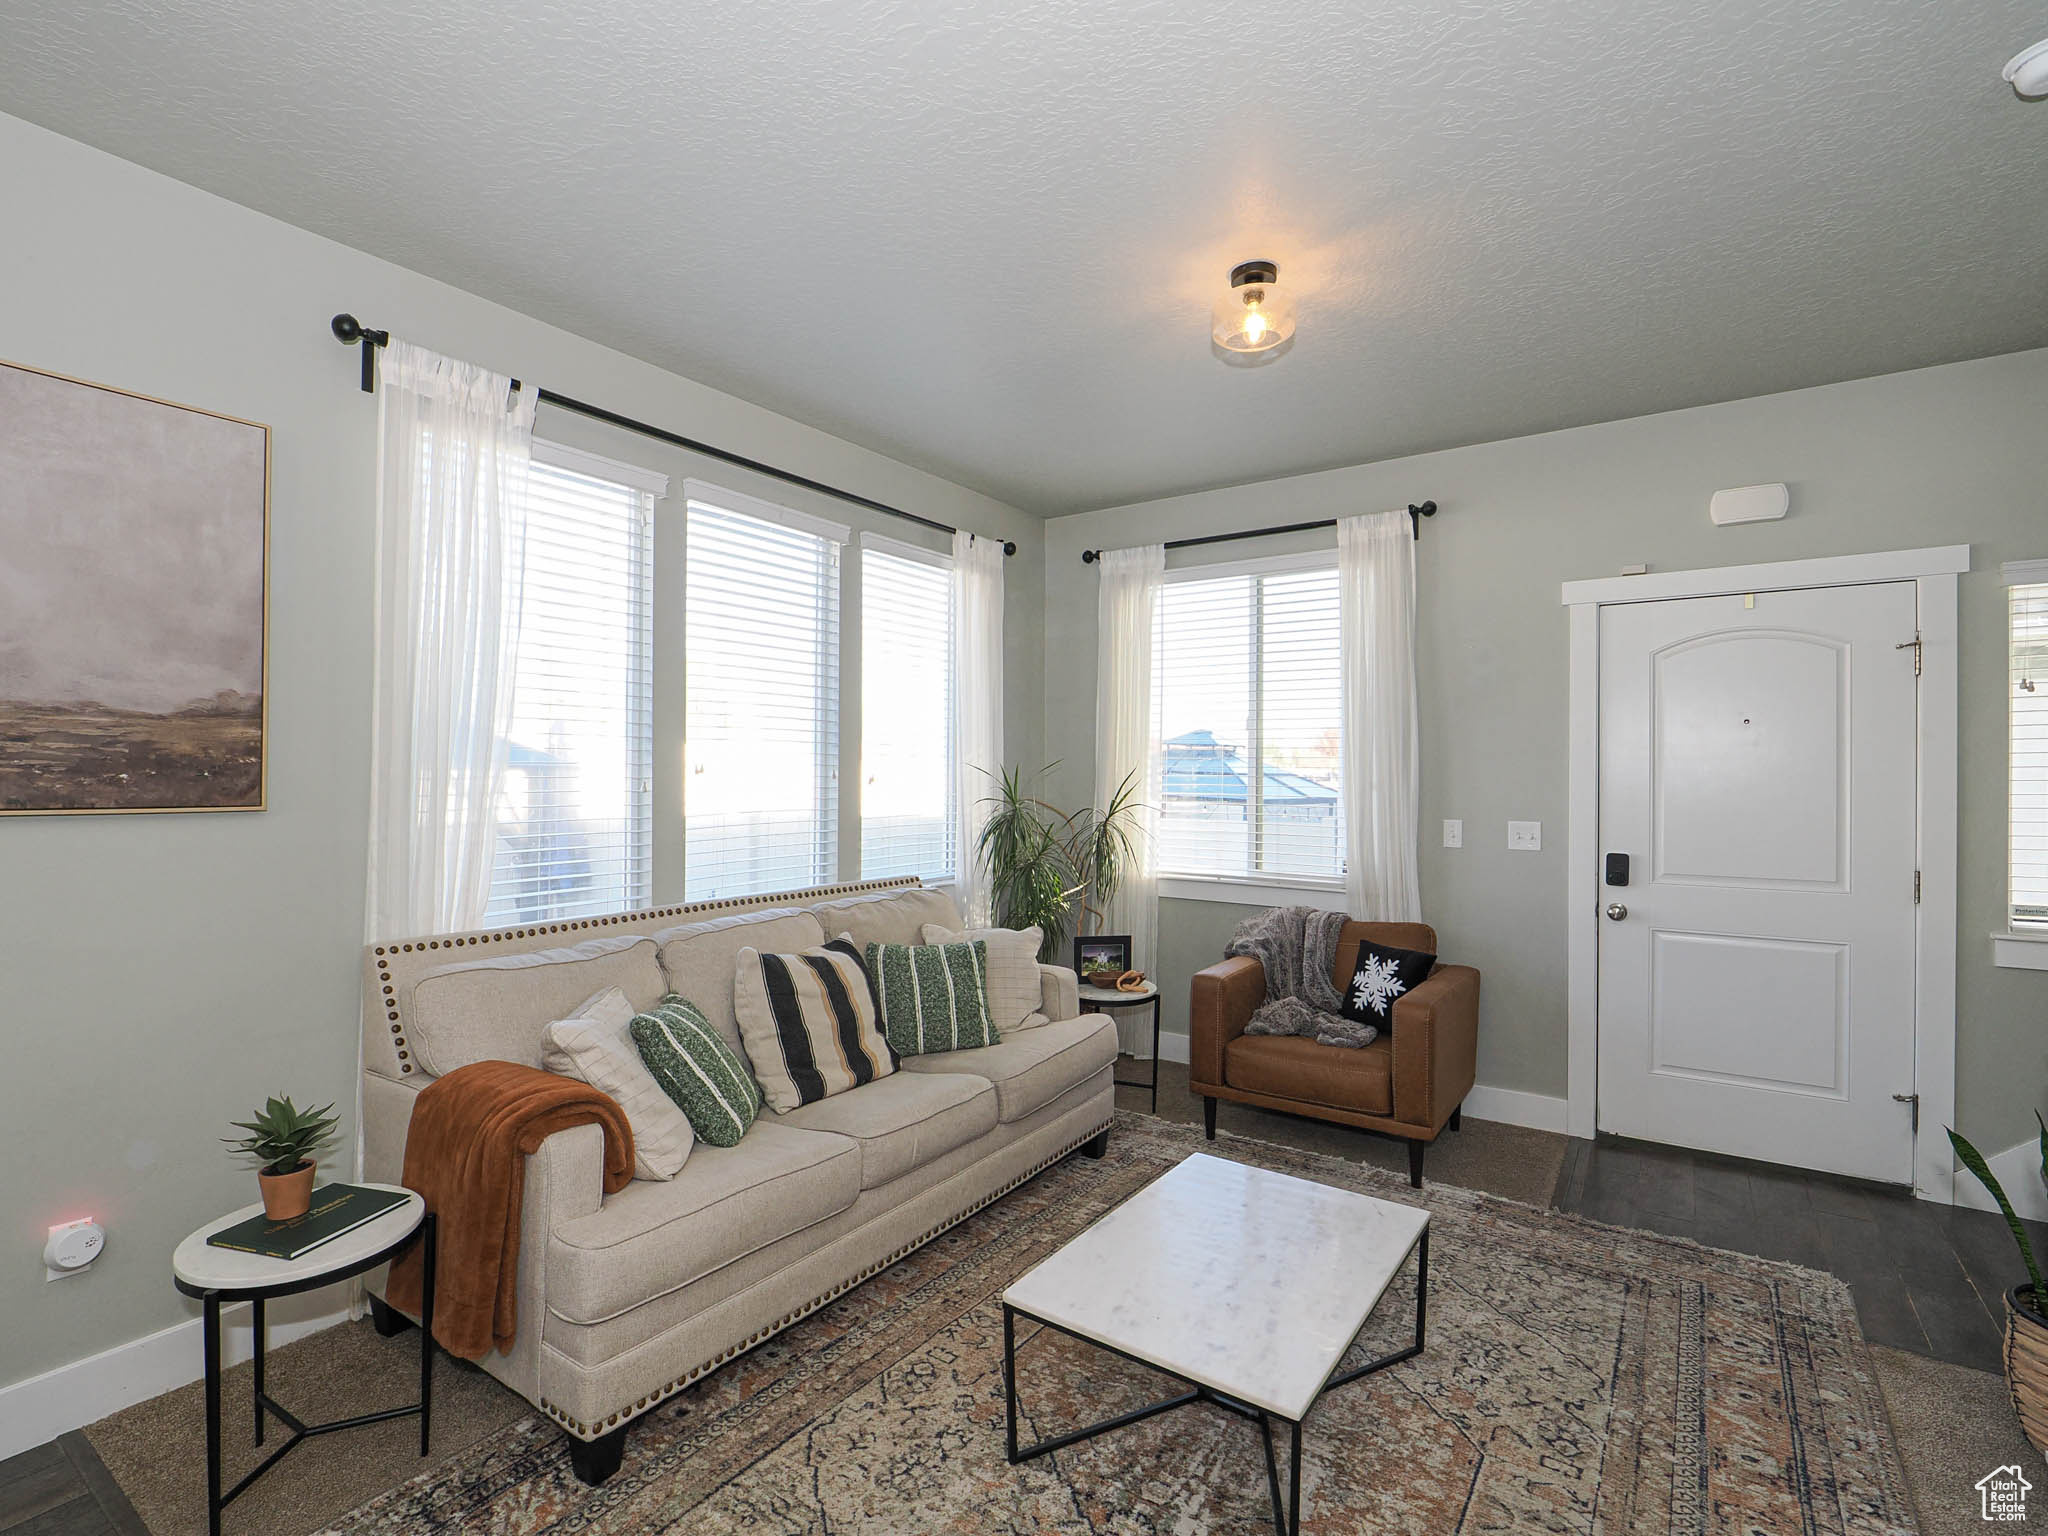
x: 808, y: 1022
x: 933, y: 997
x: 696, y: 1068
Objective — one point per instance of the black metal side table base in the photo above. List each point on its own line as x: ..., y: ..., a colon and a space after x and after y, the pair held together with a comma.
x: 1097, y: 1006
x: 1287, y: 1513
x: 265, y: 1404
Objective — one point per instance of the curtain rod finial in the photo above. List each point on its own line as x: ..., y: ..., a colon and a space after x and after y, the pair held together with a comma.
x: 1090, y: 556
x: 1009, y: 546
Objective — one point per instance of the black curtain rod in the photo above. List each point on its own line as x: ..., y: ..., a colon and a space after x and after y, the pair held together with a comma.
x: 348, y: 331
x: 1417, y: 511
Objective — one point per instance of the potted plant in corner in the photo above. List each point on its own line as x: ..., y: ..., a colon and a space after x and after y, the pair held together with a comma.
x: 283, y: 1140
x: 1043, y: 861
x: 2026, y: 1324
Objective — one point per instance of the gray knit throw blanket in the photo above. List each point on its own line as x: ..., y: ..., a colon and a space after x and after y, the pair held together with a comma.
x: 1298, y: 948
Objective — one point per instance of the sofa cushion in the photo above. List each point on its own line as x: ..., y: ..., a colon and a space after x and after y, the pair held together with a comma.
x: 809, y: 1022
x: 889, y: 917
x: 904, y: 1121
x: 496, y: 1008
x: 1035, y: 1066
x: 701, y: 959
x: 650, y: 1239
x: 1013, y: 987
x: 1291, y: 1067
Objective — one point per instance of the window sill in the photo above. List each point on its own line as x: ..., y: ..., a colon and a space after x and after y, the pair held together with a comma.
x: 2019, y: 951
x: 1271, y: 891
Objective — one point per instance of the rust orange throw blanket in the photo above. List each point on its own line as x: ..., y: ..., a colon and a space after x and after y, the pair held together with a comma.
x: 466, y: 1152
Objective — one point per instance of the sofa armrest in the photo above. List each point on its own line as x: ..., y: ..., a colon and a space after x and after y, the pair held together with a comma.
x: 1221, y: 1001
x: 1059, y: 992
x: 1436, y: 1045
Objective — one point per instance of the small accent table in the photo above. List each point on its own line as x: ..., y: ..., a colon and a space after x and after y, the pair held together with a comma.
x: 1109, y: 997
x: 219, y: 1276
x: 1248, y: 1285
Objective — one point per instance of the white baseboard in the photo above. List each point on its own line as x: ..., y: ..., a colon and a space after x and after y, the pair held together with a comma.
x: 2019, y: 1173
x: 1173, y: 1048
x: 1511, y: 1106
x: 72, y: 1396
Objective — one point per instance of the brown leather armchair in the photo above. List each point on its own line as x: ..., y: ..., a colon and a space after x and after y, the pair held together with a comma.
x: 1408, y: 1083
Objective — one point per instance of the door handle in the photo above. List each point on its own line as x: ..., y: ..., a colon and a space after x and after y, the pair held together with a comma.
x: 1616, y: 911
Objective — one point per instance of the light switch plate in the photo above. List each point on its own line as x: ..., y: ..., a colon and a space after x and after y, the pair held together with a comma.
x: 1525, y: 836
x: 1454, y: 834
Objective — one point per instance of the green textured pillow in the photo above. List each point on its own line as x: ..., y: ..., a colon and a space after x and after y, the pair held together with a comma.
x: 708, y: 1081
x: 932, y: 997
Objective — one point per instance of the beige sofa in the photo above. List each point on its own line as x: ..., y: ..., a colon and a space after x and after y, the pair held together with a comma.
x: 628, y: 1299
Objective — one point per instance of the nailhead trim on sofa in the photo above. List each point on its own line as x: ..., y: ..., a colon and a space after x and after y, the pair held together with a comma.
x: 584, y: 1431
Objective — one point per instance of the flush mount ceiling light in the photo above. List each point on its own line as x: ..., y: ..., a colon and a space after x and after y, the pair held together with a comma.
x: 2028, y: 70
x: 1257, y: 314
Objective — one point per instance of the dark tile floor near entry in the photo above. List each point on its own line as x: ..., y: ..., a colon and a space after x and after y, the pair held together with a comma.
x: 1927, y: 1278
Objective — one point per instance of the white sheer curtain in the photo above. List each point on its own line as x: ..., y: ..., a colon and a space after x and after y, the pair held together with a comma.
x: 1125, y: 744
x: 977, y: 709
x: 1382, y: 752
x: 451, y: 521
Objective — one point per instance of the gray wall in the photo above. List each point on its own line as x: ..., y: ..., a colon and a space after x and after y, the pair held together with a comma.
x: 1938, y: 456
x: 159, y: 974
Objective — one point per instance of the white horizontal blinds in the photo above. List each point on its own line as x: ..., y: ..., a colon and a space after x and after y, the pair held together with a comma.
x: 907, y: 783
x: 761, y: 780
x: 574, y: 827
x: 2029, y: 830
x: 1250, y: 715
x: 1301, y: 735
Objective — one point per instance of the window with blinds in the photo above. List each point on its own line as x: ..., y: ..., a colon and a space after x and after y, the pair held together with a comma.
x: 907, y: 790
x: 575, y: 833
x: 1250, y: 716
x: 761, y: 779
x: 2029, y: 827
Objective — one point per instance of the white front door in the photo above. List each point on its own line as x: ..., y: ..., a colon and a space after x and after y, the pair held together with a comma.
x: 1758, y: 770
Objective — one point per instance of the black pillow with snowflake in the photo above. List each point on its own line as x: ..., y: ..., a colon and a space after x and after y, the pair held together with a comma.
x: 1379, y: 976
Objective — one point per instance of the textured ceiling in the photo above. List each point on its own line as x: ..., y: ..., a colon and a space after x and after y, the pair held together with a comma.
x: 985, y: 238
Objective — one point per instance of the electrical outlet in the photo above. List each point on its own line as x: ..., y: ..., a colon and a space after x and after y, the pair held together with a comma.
x: 1454, y: 834
x: 1525, y: 836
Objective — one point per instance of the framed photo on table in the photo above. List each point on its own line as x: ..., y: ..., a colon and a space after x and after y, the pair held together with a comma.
x: 1102, y: 952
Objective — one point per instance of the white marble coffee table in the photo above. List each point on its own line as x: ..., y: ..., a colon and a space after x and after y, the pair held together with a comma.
x: 1249, y: 1285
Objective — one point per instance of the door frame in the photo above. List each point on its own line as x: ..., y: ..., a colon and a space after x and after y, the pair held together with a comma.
x: 1934, y: 571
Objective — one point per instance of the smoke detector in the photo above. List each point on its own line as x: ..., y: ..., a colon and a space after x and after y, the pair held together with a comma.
x: 2027, y: 70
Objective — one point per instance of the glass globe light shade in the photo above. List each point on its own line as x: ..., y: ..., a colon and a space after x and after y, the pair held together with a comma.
x: 1257, y: 314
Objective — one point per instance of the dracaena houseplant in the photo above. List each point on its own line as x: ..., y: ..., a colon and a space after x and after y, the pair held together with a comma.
x: 2026, y: 1351
x: 282, y: 1137
x: 1052, y: 869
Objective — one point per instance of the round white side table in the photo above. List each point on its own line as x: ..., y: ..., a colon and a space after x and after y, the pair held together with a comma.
x: 221, y: 1276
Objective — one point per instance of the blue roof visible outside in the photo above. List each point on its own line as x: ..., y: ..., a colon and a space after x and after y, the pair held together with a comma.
x: 1199, y: 767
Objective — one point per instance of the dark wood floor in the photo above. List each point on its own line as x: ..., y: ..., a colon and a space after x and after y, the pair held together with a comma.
x: 62, y: 1489
x: 1927, y: 1278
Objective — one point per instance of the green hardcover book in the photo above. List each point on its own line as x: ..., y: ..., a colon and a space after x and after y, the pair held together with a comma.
x: 336, y: 1208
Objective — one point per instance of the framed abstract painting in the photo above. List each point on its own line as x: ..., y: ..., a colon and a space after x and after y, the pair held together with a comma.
x: 134, y: 564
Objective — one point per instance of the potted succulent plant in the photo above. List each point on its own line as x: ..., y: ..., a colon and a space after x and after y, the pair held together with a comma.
x: 283, y: 1140
x: 2026, y: 1321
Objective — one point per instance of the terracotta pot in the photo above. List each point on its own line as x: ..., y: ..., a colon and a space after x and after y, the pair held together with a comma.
x: 286, y: 1195
x: 2026, y: 1363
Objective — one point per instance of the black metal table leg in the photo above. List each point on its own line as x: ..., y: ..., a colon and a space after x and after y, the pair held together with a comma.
x: 430, y: 1238
x: 1010, y: 1379
x: 211, y: 1329
x: 1294, y: 1481
x: 1155, y: 1052
x: 256, y: 1336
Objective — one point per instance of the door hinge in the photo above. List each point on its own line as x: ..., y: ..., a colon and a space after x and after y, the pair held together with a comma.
x: 1912, y: 645
x: 1912, y: 1099
x: 1916, y: 887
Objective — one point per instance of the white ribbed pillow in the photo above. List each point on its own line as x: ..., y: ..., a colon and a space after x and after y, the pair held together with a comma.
x: 1012, y: 971
x: 595, y: 1045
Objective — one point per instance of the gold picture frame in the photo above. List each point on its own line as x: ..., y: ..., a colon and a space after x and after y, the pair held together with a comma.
x: 134, y: 602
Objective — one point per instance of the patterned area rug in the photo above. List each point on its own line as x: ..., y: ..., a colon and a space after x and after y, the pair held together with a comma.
x: 1578, y: 1378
